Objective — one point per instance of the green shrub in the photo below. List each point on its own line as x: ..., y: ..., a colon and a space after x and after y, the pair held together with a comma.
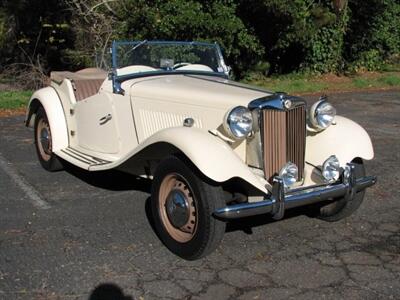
x: 374, y: 33
x: 300, y: 35
x: 213, y: 21
x: 258, y: 36
x: 370, y: 60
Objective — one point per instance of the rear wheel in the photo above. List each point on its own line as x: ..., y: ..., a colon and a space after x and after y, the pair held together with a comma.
x: 182, y: 207
x: 44, y: 143
x: 341, y: 208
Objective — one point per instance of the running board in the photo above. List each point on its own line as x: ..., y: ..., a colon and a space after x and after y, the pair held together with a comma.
x: 81, y: 159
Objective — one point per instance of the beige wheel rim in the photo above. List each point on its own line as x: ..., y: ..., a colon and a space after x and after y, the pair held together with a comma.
x: 177, y: 208
x: 43, y: 138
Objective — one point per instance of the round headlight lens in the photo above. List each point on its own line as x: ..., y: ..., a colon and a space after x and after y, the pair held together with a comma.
x: 239, y: 122
x: 322, y: 114
x: 331, y: 169
x: 289, y: 174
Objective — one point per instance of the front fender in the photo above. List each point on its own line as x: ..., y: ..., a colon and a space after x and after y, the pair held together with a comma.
x: 48, y: 98
x: 214, y: 158
x: 347, y: 140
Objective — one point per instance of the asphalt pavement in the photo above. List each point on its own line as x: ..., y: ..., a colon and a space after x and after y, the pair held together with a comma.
x: 80, y: 235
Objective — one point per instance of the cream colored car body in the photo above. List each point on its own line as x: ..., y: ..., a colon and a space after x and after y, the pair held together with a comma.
x: 146, y: 124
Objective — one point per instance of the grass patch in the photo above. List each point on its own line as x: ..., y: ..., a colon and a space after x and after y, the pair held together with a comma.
x: 14, y: 99
x: 290, y: 84
x: 303, y: 84
x: 390, y: 80
x: 361, y: 83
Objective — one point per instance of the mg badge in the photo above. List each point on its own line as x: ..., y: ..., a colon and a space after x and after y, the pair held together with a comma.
x: 287, y: 103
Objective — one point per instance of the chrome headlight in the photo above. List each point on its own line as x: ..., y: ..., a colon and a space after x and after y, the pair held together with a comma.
x: 322, y: 115
x: 289, y: 174
x: 331, y: 169
x: 238, y: 122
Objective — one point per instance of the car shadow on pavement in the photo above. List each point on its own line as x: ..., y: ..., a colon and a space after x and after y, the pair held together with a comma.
x: 246, y: 224
x: 113, y: 180
x: 108, y: 291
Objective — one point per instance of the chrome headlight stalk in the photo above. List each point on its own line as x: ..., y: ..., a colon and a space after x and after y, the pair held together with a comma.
x: 238, y: 122
x: 321, y: 115
x: 331, y: 169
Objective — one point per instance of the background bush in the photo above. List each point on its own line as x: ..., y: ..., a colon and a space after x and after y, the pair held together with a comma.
x: 258, y: 37
x: 374, y: 33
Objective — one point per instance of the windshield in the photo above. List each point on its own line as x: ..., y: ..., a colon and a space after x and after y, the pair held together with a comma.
x: 136, y: 58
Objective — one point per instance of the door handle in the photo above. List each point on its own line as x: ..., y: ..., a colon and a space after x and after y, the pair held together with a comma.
x: 105, y: 119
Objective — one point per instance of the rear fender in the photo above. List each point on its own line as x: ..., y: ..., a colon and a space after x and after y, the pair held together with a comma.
x: 347, y: 140
x: 48, y: 98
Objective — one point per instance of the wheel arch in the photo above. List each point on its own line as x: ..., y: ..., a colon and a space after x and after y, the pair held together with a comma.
x: 346, y: 139
x: 50, y: 101
x: 213, y: 158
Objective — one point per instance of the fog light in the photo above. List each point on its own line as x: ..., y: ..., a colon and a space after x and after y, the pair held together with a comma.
x: 289, y: 174
x: 331, y: 169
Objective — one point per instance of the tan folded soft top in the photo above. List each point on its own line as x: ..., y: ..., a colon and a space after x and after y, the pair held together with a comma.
x: 84, y: 74
x: 85, y: 82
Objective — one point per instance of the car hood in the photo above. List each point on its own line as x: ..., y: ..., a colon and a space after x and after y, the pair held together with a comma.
x: 197, y: 90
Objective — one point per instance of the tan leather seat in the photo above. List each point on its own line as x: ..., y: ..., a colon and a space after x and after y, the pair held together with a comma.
x: 86, y: 82
x: 86, y: 88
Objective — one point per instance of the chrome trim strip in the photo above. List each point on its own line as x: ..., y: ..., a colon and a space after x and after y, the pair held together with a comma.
x: 83, y: 157
x: 72, y: 151
x: 87, y: 155
x: 77, y: 157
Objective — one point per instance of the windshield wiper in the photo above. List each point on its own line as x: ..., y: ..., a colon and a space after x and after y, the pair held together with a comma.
x: 139, y: 45
x: 135, y: 47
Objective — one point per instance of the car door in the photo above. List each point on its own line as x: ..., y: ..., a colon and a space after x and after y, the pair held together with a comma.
x: 96, y: 128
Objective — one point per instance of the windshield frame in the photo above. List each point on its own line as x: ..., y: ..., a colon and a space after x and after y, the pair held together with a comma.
x: 118, y: 79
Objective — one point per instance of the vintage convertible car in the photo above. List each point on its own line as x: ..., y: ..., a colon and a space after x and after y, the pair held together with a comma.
x: 216, y: 149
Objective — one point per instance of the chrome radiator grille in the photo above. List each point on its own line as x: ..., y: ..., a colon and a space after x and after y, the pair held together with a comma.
x: 283, y: 137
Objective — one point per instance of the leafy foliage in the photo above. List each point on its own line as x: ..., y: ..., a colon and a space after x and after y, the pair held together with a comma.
x: 35, y: 32
x: 374, y: 33
x: 212, y: 21
x: 258, y: 37
x: 300, y: 34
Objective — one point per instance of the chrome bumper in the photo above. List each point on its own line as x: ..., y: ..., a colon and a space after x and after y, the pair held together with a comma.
x: 279, y: 201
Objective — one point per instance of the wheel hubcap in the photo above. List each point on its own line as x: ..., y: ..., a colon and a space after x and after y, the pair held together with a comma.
x: 177, y: 208
x: 44, y: 139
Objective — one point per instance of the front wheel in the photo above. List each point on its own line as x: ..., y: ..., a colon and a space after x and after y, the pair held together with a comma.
x: 182, y: 206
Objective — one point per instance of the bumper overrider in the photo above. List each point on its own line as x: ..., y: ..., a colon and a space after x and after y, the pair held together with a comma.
x: 280, y: 200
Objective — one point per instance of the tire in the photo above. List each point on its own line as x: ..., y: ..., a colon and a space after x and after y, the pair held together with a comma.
x: 43, y: 143
x: 341, y: 208
x: 189, y: 230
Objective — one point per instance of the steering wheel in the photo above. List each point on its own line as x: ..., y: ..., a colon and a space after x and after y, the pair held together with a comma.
x: 180, y: 64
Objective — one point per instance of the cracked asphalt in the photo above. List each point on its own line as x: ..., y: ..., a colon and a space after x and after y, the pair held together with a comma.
x: 95, y: 239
